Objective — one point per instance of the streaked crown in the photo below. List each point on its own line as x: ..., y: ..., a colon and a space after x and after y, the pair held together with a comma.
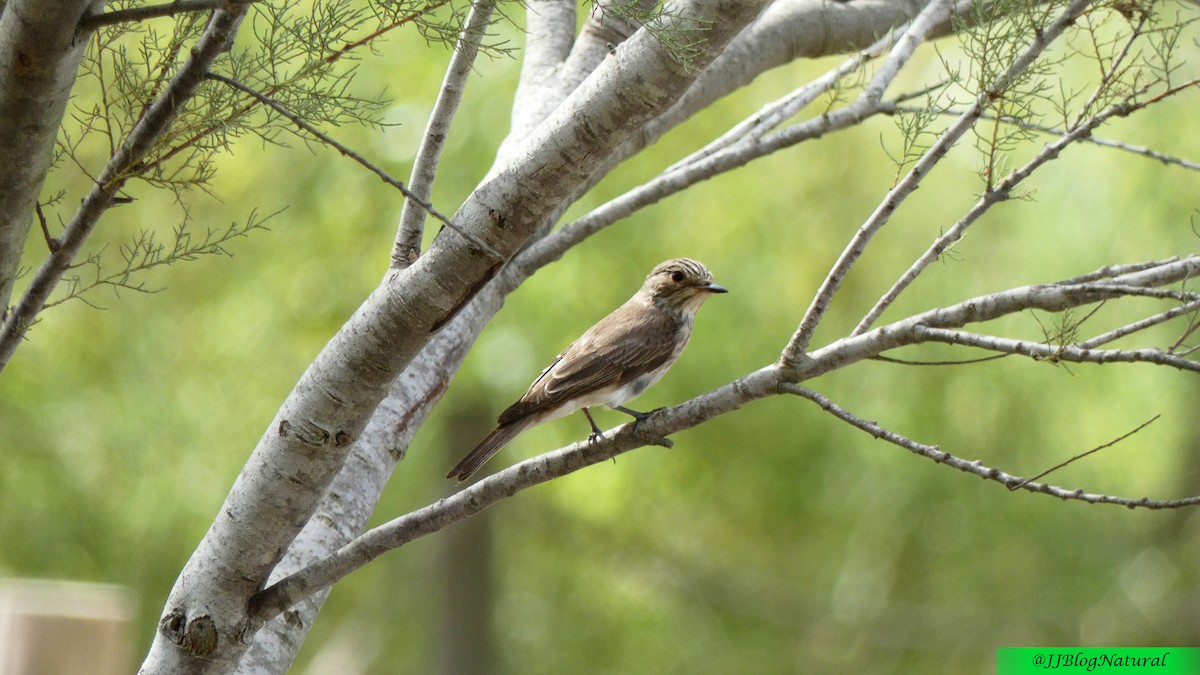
x: 680, y: 284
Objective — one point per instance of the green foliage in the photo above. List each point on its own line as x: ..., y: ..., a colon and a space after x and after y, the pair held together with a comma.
x: 145, y: 251
x: 675, y: 32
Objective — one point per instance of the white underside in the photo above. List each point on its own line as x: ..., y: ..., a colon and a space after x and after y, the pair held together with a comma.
x: 608, y: 397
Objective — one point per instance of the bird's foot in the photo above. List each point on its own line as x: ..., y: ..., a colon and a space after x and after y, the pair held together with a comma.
x: 596, y: 436
x: 638, y: 417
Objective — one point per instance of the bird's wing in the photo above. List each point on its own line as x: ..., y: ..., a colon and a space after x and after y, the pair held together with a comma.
x: 615, y: 351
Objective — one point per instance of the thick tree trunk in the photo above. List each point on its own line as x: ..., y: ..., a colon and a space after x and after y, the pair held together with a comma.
x: 40, y: 52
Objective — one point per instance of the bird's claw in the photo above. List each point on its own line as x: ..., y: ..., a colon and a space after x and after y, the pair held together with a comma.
x: 638, y: 417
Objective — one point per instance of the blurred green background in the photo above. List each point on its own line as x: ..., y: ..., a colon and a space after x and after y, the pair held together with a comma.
x: 773, y: 539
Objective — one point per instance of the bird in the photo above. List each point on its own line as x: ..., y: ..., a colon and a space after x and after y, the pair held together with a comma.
x: 618, y: 358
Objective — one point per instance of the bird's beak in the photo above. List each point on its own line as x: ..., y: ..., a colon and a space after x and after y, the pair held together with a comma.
x: 713, y: 288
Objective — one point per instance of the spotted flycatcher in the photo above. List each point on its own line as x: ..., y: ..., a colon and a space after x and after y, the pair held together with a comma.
x: 614, y: 361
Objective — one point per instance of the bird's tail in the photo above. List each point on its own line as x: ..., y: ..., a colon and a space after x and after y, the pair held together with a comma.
x: 486, y: 448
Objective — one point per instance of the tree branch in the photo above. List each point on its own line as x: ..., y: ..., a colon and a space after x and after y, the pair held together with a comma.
x: 217, y: 37
x: 857, y: 245
x: 133, y: 14
x: 1081, y: 455
x: 40, y: 53
x: 977, y: 467
x: 1138, y: 326
x: 1047, y: 297
x: 412, y: 218
x: 768, y: 381
x: 550, y: 35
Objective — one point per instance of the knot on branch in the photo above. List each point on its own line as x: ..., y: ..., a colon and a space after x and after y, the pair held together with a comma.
x: 196, y: 636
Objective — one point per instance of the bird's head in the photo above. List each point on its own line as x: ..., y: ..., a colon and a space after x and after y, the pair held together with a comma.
x: 680, y: 284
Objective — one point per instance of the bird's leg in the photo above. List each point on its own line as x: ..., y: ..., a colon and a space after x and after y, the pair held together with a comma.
x: 638, y: 417
x: 596, y: 433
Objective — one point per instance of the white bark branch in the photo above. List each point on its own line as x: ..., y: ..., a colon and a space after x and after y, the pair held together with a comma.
x: 550, y: 35
x: 40, y: 53
x: 344, y: 510
x: 420, y: 182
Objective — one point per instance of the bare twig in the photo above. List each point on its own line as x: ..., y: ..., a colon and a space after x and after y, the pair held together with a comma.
x: 51, y: 243
x: 1081, y: 455
x: 775, y: 113
x: 1145, y: 152
x: 1114, y: 271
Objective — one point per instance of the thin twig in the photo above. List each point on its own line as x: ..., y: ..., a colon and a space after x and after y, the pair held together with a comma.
x: 1145, y: 152
x: 134, y: 14
x: 51, y: 243
x: 347, y: 152
x: 976, y: 467
x: 1081, y: 455
x: 1139, y: 291
x: 948, y: 362
x: 778, y: 111
x: 193, y: 140
x: 1114, y: 271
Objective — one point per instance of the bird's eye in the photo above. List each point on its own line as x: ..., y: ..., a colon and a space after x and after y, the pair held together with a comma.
x: 677, y: 276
